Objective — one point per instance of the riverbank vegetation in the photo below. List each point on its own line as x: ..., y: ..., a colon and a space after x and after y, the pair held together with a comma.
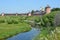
x: 47, y: 34
x: 12, y: 25
x: 48, y: 27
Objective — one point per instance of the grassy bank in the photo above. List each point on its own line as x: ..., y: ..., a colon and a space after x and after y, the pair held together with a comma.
x: 53, y: 35
x: 7, y: 30
x: 12, y: 25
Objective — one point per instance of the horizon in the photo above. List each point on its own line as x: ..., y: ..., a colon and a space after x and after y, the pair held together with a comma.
x: 23, y: 6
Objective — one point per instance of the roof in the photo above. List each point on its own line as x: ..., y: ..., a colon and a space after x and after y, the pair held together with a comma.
x: 38, y: 12
x: 47, y: 6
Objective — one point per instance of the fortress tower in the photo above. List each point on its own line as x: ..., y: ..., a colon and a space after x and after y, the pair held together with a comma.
x: 47, y: 9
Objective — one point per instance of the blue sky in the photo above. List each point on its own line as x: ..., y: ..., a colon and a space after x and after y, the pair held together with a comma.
x: 22, y: 6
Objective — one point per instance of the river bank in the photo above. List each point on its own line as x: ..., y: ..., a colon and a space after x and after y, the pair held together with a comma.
x: 8, y: 30
x: 46, y: 35
x: 26, y: 35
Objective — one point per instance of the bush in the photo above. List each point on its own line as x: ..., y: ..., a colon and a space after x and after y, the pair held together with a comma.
x: 2, y: 21
x: 12, y: 21
x: 15, y: 21
x: 9, y: 21
x: 46, y: 20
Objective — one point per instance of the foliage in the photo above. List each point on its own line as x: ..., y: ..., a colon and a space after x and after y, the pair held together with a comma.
x: 12, y: 19
x: 46, y: 20
x: 32, y: 12
x: 2, y: 21
x: 48, y: 29
x: 55, y: 9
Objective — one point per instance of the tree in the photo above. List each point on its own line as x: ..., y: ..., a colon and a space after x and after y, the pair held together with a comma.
x: 55, y: 9
x: 32, y: 12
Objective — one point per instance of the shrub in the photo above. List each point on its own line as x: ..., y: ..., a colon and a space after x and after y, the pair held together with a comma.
x: 15, y: 21
x: 2, y: 21
x: 9, y: 21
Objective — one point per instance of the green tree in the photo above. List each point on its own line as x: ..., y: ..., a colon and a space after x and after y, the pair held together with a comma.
x: 55, y: 9
x: 32, y: 12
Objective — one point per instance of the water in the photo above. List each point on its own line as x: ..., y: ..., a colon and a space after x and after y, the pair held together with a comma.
x: 26, y: 36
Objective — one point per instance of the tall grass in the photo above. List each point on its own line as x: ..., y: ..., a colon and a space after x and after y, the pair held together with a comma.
x: 11, y: 19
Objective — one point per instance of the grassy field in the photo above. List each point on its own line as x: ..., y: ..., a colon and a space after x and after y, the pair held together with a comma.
x: 12, y: 25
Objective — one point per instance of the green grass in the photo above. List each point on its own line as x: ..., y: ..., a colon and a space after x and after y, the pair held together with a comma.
x: 7, y: 30
x: 12, y: 25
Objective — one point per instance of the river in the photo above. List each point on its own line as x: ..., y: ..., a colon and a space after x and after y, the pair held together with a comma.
x: 26, y: 35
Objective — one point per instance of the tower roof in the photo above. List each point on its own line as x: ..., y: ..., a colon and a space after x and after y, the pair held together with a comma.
x: 47, y: 6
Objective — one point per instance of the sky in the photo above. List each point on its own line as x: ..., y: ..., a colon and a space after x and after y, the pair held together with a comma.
x: 23, y: 6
